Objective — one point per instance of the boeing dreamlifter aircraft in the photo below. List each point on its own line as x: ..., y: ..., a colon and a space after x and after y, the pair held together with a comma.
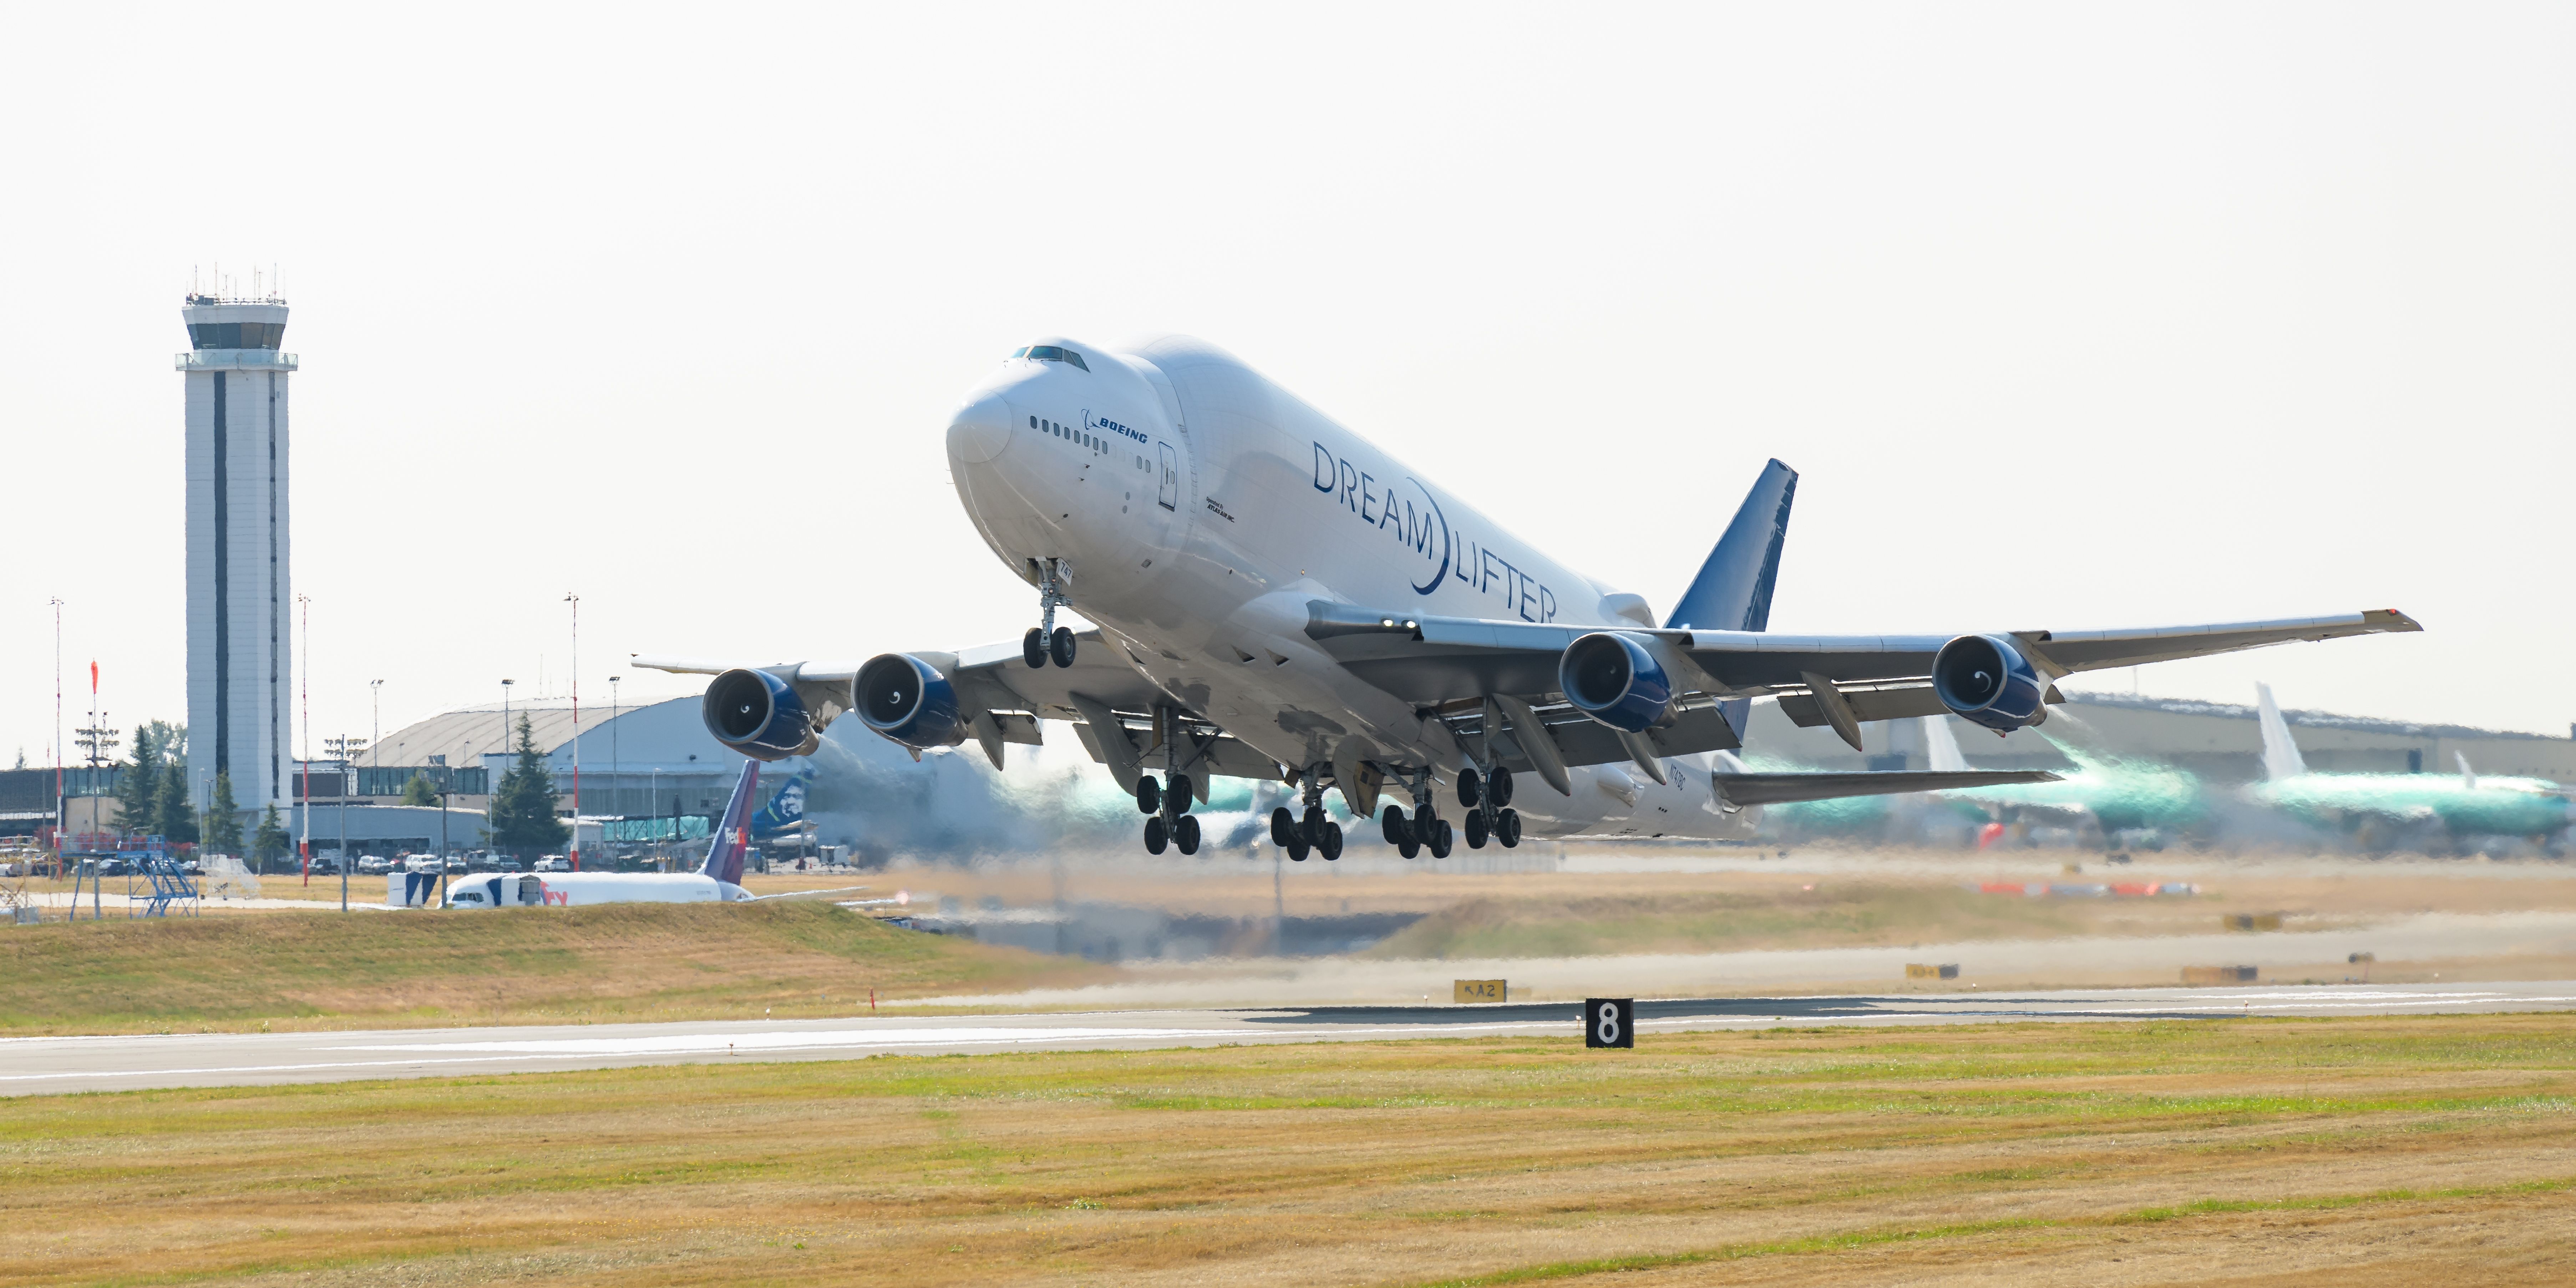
x: 1278, y: 599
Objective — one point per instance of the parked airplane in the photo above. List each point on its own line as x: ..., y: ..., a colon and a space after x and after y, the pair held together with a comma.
x: 718, y: 880
x: 2106, y: 795
x: 1275, y: 598
x: 785, y: 812
x: 2378, y: 808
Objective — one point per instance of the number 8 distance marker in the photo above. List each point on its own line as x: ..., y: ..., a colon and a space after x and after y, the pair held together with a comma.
x: 1610, y: 1022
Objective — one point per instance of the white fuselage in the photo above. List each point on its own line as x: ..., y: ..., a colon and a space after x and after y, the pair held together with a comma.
x: 582, y: 889
x: 1199, y: 508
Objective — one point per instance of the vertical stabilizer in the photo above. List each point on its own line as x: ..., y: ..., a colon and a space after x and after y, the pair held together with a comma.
x: 2280, y: 755
x: 1942, y: 746
x: 1733, y: 589
x: 2468, y: 776
x: 732, y: 839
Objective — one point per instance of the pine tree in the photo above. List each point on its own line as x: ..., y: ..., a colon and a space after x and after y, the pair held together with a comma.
x: 223, y: 819
x: 523, y: 805
x: 420, y: 791
x: 139, y: 785
x: 270, y: 840
x: 174, y: 816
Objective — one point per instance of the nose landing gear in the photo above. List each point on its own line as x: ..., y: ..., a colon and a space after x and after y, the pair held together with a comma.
x: 1046, y: 640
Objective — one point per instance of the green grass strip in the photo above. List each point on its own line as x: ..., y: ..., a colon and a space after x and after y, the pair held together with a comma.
x: 1874, y: 1238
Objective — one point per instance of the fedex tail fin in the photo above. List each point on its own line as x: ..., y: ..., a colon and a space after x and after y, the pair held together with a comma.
x: 2280, y: 755
x: 785, y: 811
x: 732, y: 839
x: 1733, y: 589
x: 1941, y: 746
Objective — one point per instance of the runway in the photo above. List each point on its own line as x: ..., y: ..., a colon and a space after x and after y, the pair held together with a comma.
x: 35, y: 1066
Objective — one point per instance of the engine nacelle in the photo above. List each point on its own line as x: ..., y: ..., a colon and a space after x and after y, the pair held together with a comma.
x: 1615, y: 678
x: 759, y: 715
x: 1985, y: 680
x: 910, y: 702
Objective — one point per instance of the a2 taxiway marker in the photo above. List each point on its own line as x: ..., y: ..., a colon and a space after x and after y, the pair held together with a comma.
x: 31, y: 1066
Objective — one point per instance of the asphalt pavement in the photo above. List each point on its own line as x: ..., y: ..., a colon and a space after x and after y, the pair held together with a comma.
x: 33, y: 1066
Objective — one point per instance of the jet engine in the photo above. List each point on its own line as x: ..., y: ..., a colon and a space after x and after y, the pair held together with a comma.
x: 759, y: 715
x: 910, y: 702
x: 1985, y: 680
x: 1616, y: 678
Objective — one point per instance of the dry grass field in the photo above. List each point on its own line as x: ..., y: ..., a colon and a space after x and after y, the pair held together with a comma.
x: 2358, y: 1152
x: 544, y: 966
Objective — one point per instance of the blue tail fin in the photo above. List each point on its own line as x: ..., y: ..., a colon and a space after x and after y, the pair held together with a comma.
x: 1733, y: 589
x: 785, y: 811
x: 732, y: 839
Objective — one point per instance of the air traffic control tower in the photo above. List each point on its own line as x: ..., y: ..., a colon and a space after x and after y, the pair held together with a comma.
x: 240, y: 607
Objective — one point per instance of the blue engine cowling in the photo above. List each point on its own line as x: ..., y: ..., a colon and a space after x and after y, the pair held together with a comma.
x: 1985, y: 680
x: 1613, y: 677
x: 909, y: 701
x: 759, y: 715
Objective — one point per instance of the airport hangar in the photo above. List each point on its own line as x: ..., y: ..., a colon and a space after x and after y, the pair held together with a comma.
x: 2218, y: 742
x: 638, y: 763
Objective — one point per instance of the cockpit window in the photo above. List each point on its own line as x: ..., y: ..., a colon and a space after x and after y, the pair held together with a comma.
x: 1051, y: 353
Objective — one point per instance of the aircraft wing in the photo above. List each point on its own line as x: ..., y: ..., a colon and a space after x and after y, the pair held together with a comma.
x: 1448, y: 666
x: 1103, y: 689
x: 1780, y: 789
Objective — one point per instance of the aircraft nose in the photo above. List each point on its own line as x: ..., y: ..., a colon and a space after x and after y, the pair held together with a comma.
x: 981, y: 430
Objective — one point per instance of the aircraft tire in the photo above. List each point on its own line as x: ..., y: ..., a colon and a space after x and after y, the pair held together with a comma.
x: 1149, y: 795
x: 1033, y: 648
x: 1296, y: 849
x: 1156, y: 835
x: 1060, y: 647
x: 1500, y: 787
x: 1181, y: 791
x: 1509, y: 825
x: 1393, y: 825
x: 1441, y: 839
x: 1331, y: 848
x: 1423, y: 821
x: 1311, y: 831
x: 1467, y: 788
x: 1185, y: 834
x: 1475, y: 829
x: 1283, y: 825
x: 1409, y: 847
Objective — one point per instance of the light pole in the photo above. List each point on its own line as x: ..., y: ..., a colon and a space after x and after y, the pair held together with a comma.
x: 575, y: 601
x: 59, y: 811
x: 304, y: 696
x: 505, y: 731
x: 616, y: 767
x: 375, y: 720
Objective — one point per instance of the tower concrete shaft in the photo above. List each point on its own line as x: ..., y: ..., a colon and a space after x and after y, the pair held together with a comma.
x: 240, y: 668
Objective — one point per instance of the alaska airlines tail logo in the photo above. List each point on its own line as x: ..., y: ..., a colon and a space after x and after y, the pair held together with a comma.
x: 1425, y: 534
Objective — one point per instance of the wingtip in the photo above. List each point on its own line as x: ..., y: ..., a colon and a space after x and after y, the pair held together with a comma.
x: 2392, y: 619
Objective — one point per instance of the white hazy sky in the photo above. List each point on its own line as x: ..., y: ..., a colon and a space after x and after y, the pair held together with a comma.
x: 2071, y: 316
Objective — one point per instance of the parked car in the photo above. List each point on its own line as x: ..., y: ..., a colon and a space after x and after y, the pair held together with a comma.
x: 507, y: 865
x: 374, y: 864
x: 553, y: 863
x: 420, y: 863
x: 456, y: 865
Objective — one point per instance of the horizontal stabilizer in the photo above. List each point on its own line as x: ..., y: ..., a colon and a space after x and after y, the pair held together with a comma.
x: 1781, y: 789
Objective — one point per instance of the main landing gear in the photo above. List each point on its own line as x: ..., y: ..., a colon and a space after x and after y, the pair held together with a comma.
x: 1312, y: 830
x: 1046, y: 640
x: 1488, y: 800
x: 1170, y: 824
x: 1425, y: 830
